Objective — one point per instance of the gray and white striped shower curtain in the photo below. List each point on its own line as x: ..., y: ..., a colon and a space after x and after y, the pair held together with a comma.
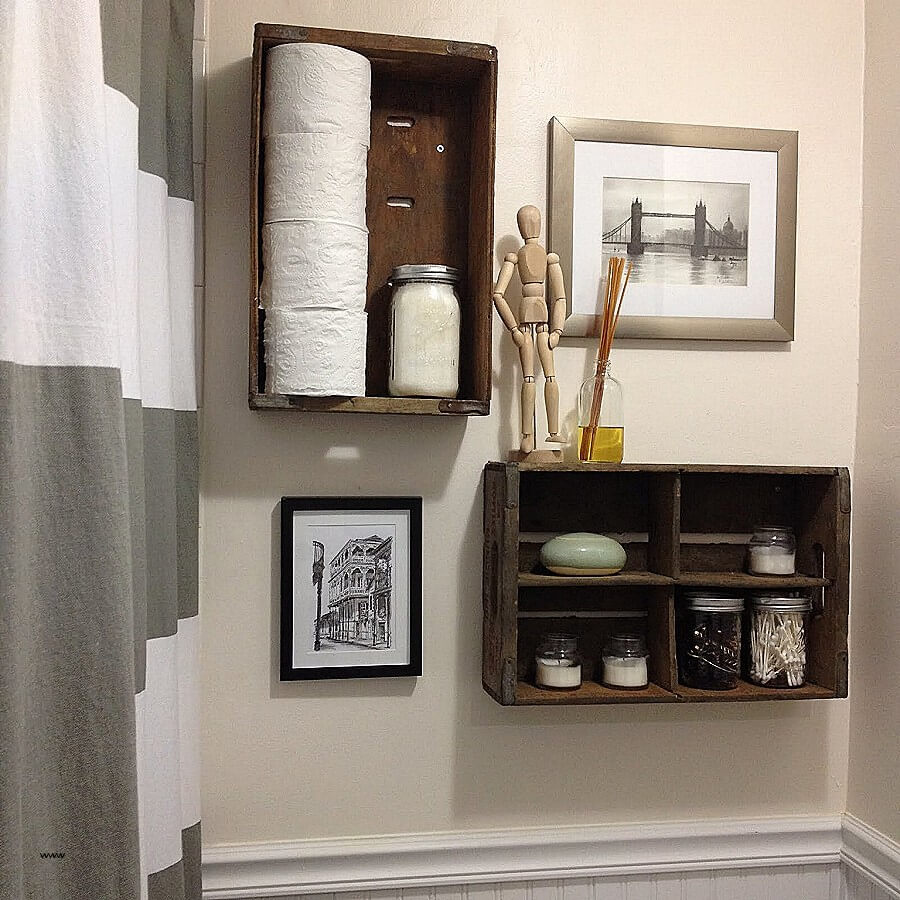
x: 99, y: 796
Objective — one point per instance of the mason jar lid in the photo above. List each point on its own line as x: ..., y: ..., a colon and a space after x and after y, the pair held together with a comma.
x: 424, y: 272
x: 787, y: 528
x: 709, y: 602
x: 775, y: 603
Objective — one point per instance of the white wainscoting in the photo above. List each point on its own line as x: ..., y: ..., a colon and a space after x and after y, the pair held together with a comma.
x: 799, y: 858
x: 871, y: 862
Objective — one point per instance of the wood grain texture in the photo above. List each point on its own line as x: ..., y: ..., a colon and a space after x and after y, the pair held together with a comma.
x: 745, y: 582
x: 444, y: 162
x: 747, y: 691
x: 404, y: 406
x: 589, y: 692
x: 636, y: 579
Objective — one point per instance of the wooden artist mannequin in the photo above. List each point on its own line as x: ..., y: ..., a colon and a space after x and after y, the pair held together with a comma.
x: 536, y: 323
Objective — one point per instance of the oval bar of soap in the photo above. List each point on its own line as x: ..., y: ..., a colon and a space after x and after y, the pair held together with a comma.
x: 583, y: 553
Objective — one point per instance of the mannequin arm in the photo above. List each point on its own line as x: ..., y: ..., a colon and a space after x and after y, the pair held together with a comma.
x: 557, y: 297
x: 503, y: 279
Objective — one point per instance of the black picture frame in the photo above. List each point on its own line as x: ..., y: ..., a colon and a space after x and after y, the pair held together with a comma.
x: 373, y: 606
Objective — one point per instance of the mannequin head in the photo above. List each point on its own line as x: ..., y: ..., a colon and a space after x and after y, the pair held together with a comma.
x: 529, y: 219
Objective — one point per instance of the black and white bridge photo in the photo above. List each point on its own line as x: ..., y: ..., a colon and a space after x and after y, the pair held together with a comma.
x: 678, y: 232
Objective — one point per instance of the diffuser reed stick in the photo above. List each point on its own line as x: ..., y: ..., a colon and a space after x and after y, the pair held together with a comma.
x: 613, y: 294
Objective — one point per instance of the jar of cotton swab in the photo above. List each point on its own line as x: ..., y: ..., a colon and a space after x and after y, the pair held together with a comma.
x: 778, y: 627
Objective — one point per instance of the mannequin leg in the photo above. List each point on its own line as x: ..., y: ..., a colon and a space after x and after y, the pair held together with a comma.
x: 526, y: 357
x: 551, y: 388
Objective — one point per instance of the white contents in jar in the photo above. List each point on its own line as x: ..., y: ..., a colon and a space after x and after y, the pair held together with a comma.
x: 558, y: 673
x: 425, y: 323
x: 629, y: 671
x: 771, y: 561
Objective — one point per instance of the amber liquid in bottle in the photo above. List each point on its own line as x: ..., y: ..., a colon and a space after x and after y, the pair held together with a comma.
x: 608, y: 446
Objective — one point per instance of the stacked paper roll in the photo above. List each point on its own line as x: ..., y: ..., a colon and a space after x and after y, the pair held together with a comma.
x: 312, y: 342
x: 316, y: 111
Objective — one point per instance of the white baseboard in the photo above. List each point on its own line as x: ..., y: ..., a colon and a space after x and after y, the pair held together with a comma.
x: 240, y: 872
x: 871, y: 853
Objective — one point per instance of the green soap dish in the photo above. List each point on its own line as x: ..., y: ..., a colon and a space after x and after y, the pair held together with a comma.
x: 583, y: 553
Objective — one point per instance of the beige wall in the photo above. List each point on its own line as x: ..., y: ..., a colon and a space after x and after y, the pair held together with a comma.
x: 874, y: 773
x: 316, y: 760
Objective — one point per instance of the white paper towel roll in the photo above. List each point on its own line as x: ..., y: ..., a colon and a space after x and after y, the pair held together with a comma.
x: 314, y: 176
x: 316, y: 352
x: 317, y: 87
x: 312, y: 263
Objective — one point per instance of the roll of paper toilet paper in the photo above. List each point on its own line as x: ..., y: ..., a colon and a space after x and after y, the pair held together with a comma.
x: 316, y: 352
x: 314, y: 176
x: 314, y: 264
x: 317, y: 88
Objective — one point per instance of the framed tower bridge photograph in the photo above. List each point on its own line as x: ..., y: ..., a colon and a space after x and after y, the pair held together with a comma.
x: 351, y: 587
x: 705, y: 215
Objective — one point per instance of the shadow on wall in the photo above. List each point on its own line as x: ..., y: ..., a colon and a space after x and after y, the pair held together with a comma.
x: 506, y: 378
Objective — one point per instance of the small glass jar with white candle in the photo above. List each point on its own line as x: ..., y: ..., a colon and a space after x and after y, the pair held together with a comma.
x: 624, y: 660
x: 778, y: 627
x: 558, y: 662
x: 425, y: 329
x: 772, y: 551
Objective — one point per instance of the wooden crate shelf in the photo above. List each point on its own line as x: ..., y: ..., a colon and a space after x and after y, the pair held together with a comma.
x: 634, y: 579
x: 748, y: 691
x: 683, y: 527
x: 590, y: 692
x: 742, y: 581
x: 445, y: 162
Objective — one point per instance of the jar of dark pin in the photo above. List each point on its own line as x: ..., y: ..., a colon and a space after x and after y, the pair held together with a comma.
x: 709, y: 644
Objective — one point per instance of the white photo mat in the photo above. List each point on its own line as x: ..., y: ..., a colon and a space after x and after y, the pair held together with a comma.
x: 595, y: 162
x: 333, y: 530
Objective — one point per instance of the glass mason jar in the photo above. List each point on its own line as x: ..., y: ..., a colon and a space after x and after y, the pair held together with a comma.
x: 558, y: 662
x: 425, y: 323
x: 772, y: 550
x: 778, y: 640
x: 605, y: 443
x: 624, y: 659
x: 709, y: 645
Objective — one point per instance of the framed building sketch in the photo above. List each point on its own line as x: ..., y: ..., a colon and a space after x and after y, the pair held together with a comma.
x: 706, y: 216
x: 351, y: 587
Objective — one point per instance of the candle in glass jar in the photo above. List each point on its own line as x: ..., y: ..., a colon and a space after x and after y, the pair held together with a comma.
x: 772, y: 550
x: 556, y: 673
x: 624, y: 661
x: 628, y: 673
x: 771, y: 561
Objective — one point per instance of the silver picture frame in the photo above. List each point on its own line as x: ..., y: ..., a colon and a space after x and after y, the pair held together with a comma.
x: 565, y: 132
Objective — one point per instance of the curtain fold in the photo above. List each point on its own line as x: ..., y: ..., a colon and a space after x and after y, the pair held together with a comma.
x: 99, y: 757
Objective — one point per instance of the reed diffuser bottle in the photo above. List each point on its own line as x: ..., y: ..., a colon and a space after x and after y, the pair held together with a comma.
x: 606, y: 441
x: 601, y: 422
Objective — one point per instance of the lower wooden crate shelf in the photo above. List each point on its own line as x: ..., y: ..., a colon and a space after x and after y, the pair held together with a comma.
x: 403, y: 406
x: 590, y: 692
x: 749, y: 691
x: 683, y: 527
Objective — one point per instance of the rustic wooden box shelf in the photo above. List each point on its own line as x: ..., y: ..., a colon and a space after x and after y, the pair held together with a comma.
x: 445, y: 163
x: 683, y: 527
